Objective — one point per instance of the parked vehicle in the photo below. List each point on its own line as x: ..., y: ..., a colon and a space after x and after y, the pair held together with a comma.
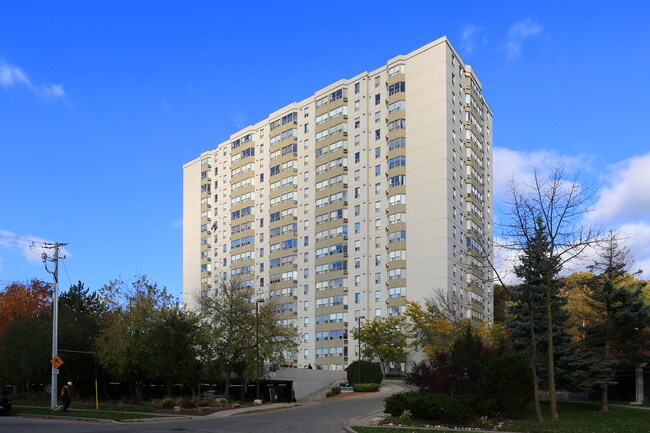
x: 212, y: 393
x: 5, y: 404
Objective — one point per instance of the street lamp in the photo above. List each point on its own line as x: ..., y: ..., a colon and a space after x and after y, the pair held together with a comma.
x: 257, y: 348
x: 359, y: 363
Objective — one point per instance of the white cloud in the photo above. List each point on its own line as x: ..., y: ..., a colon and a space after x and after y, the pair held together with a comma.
x: 239, y: 120
x: 518, y: 33
x: 636, y: 237
x: 30, y: 247
x: 623, y: 201
x: 518, y: 166
x: 11, y: 76
x: 467, y: 40
x: 625, y: 195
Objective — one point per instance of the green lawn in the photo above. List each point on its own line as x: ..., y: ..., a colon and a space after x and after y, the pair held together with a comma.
x: 37, y: 404
x: 585, y: 418
x: 574, y: 418
x: 106, y: 414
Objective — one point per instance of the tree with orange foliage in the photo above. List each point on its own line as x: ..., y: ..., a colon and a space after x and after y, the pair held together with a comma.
x: 19, y: 301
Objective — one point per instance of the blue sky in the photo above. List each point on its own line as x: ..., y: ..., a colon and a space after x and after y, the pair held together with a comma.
x: 101, y: 103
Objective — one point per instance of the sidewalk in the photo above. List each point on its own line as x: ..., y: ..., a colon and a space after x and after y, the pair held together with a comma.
x: 252, y: 409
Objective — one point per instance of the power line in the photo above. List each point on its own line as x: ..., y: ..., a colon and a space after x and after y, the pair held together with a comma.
x: 65, y: 268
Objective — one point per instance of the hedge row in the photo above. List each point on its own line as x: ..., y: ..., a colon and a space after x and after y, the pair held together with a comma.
x: 364, y: 372
x: 366, y: 387
x: 440, y: 407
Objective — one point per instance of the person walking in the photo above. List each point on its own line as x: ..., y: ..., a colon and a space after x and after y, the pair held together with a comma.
x: 66, y: 396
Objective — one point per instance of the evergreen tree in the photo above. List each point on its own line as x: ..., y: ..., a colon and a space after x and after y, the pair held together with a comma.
x: 618, y: 316
x: 532, y: 302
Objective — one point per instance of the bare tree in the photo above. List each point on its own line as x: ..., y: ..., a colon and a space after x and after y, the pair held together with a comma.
x: 561, y: 203
x: 450, y: 304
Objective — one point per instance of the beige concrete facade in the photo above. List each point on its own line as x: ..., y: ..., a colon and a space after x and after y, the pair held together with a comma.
x: 375, y: 190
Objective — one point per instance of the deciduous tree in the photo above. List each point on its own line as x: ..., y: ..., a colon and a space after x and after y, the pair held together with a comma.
x: 384, y: 338
x: 562, y: 203
x: 133, y: 317
x: 229, y: 322
x: 19, y: 300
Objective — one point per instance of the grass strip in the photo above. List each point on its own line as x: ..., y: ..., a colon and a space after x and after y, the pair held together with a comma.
x: 574, y: 418
x: 82, y: 413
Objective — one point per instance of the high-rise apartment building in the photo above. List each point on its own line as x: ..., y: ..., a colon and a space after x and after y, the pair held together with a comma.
x: 375, y: 190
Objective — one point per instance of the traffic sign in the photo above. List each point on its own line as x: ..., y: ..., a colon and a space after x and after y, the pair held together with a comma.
x: 56, y: 361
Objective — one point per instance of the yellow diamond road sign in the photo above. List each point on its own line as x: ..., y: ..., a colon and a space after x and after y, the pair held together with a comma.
x: 56, y: 361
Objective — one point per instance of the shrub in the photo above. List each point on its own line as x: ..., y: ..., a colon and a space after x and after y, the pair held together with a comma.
x: 366, y: 387
x: 188, y: 403
x: 440, y: 407
x: 406, y: 415
x: 508, y: 380
x: 473, y: 369
x: 206, y: 402
x: 336, y: 390
x: 370, y: 372
x: 166, y: 403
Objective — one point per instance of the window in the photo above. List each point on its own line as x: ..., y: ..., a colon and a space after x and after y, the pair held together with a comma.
x: 377, y: 206
x: 306, y: 306
x: 377, y: 188
x: 377, y: 116
x: 377, y: 260
x: 357, y: 123
x: 377, y: 81
x: 377, y: 281
x: 357, y: 192
x: 377, y: 312
x: 357, y: 227
x: 400, y: 86
x: 377, y: 293
x: 377, y: 152
x: 357, y: 174
x: 357, y: 140
x: 357, y: 105
x: 377, y: 134
x: 306, y: 240
x: 357, y: 262
x: 357, y: 297
x: 357, y: 245
x: 357, y: 210
x: 357, y: 157
x: 357, y: 87
x: 377, y: 170
x: 357, y: 280
x: 377, y: 99
x: 399, y: 161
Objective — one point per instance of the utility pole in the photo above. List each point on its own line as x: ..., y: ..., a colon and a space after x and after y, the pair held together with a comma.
x: 257, y: 348
x: 359, y: 363
x: 55, y: 313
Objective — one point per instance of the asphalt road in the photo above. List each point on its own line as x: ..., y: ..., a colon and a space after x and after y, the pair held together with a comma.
x: 325, y: 416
